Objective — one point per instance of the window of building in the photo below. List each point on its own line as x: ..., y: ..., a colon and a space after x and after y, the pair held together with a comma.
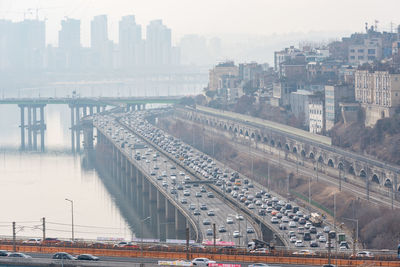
x: 360, y: 51
x: 352, y: 50
x: 360, y: 57
x: 352, y: 57
x: 371, y: 51
x: 371, y: 57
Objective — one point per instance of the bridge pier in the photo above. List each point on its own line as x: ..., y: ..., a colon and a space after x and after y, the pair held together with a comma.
x: 22, y: 126
x: 169, y: 220
x: 161, y: 227
x: 180, y: 225
x: 145, y: 198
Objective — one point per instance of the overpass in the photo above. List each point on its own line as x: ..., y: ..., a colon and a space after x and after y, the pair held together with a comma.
x: 33, y: 124
x: 302, y: 147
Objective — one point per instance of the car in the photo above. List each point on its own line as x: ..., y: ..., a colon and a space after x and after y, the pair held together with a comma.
x: 303, y: 252
x: 34, y: 241
x: 202, y: 261
x: 206, y: 222
x: 210, y: 213
x: 50, y: 241
x: 293, y: 239
x: 259, y: 265
x: 299, y: 243
x: 63, y: 256
x: 260, y: 251
x: 364, y: 254
x: 198, y: 194
x: 236, y: 234
x: 283, y: 226
x: 186, y: 193
x: 18, y: 255
x: 210, y: 195
x: 239, y: 217
x: 292, y: 224
x: 4, y: 253
x: 314, y: 244
x: 327, y: 229
x: 221, y: 229
x: 274, y: 220
x: 322, y: 239
x: 203, y: 207
x: 328, y: 265
x: 184, y: 201
x: 229, y: 220
x: 159, y: 247
x: 250, y: 230
x: 192, y: 206
x: 196, y: 212
x: 87, y: 257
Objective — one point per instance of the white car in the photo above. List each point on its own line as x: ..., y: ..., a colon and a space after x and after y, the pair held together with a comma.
x: 236, y: 234
x: 299, y: 243
x: 239, y: 217
x: 201, y: 262
x: 229, y: 220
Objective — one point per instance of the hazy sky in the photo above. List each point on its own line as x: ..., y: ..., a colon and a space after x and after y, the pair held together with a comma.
x: 214, y: 17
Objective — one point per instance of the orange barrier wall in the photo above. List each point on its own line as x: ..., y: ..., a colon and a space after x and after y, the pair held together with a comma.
x: 217, y: 257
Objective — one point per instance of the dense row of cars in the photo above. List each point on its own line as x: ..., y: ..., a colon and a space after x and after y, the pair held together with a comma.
x: 291, y: 222
x: 58, y: 255
x: 197, y: 199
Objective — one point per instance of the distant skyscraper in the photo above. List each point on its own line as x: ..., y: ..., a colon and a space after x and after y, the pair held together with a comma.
x: 130, y: 39
x: 69, y: 43
x: 158, y: 44
x: 102, y: 48
x: 69, y: 37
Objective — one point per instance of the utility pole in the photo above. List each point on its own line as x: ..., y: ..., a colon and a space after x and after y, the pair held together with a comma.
x: 187, y: 243
x: 14, y: 237
x: 214, y: 236
x: 329, y: 249
x: 44, y: 227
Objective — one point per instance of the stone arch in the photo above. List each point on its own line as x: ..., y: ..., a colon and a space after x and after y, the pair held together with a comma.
x: 341, y: 166
x: 258, y: 137
x: 303, y: 153
x: 230, y: 128
x: 247, y: 133
x: 220, y: 124
x: 321, y: 159
x: 207, y: 122
x: 241, y: 131
x: 265, y: 139
x: 351, y: 170
x: 388, y: 183
x: 287, y: 147
x: 330, y: 163
x: 236, y: 130
x: 294, y: 150
x: 398, y: 188
x: 279, y: 144
x: 225, y: 128
x: 311, y: 155
x: 363, y: 174
x: 272, y: 143
x: 375, y: 179
x: 252, y: 135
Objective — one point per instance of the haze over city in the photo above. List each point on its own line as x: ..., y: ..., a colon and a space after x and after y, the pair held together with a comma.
x: 254, y: 133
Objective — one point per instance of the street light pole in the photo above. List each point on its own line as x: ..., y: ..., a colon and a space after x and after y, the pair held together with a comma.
x: 72, y: 216
x: 141, y: 230
x: 354, y: 241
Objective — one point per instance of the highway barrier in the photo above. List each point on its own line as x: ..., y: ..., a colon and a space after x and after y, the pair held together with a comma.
x: 278, y: 257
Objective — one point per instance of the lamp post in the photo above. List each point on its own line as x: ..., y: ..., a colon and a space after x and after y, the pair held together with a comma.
x: 356, y: 235
x: 72, y: 216
x: 141, y: 230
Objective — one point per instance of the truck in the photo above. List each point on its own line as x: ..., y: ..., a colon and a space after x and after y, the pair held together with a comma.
x: 316, y: 219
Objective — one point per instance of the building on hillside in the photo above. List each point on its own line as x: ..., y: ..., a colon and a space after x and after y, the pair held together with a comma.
x: 281, y: 93
x: 316, y: 115
x: 378, y: 92
x: 299, y: 104
x: 229, y: 89
x: 225, y: 68
x: 335, y: 94
x: 369, y: 51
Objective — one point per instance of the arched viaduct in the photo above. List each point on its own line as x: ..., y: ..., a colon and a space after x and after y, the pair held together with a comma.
x: 359, y: 168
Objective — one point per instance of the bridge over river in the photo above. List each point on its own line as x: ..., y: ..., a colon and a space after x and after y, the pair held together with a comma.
x: 34, y: 125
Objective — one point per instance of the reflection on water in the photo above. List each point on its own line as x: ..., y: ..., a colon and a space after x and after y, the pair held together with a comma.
x: 35, y: 185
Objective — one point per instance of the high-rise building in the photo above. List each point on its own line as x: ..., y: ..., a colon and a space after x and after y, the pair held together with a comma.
x: 69, y: 37
x: 335, y: 94
x: 69, y: 43
x: 102, y: 48
x: 158, y: 44
x: 225, y: 68
x: 130, y: 38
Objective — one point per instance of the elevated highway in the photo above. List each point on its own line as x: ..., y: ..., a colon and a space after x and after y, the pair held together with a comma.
x: 303, y: 149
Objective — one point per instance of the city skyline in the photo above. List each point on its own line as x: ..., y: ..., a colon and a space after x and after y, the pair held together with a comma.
x: 253, y: 18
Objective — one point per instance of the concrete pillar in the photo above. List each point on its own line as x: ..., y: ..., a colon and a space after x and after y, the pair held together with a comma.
x: 34, y: 129
x: 29, y: 127
x: 161, y: 201
x: 144, y: 106
x: 22, y: 126
x: 42, y: 128
x: 72, y: 128
x: 180, y: 225
x: 84, y: 110
x: 78, y: 129
x: 91, y: 110
x: 169, y: 218
x: 145, y: 197
x: 97, y: 109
